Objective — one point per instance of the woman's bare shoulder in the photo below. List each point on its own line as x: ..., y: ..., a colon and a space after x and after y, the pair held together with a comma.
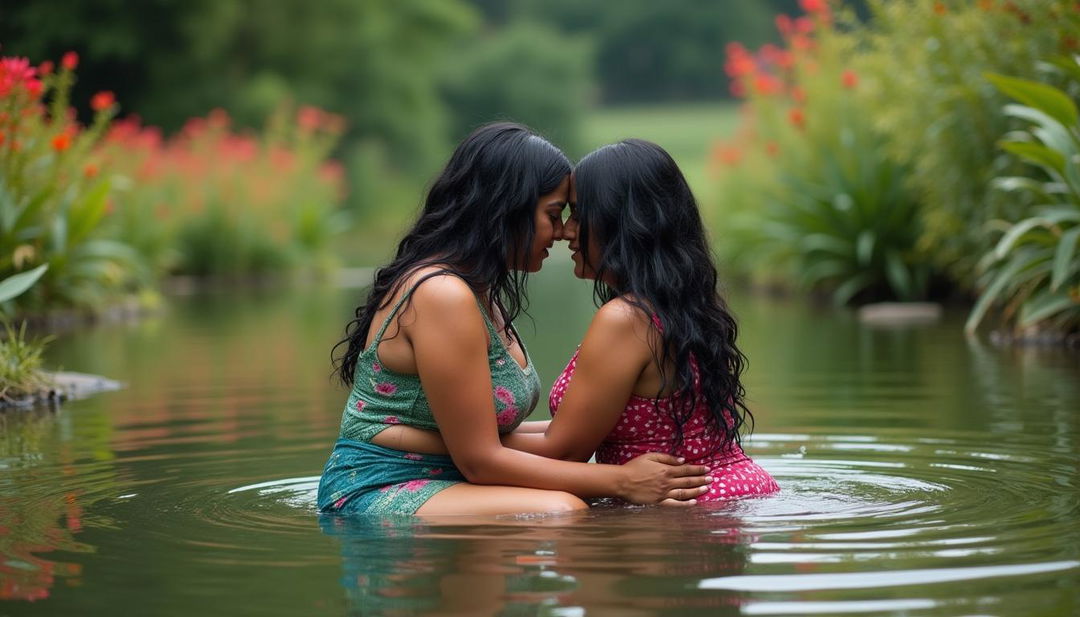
x: 620, y: 319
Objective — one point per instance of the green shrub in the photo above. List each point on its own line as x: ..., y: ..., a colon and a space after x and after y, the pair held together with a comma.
x: 53, y: 200
x: 923, y: 62
x: 808, y: 184
x: 1033, y: 274
x: 20, y: 365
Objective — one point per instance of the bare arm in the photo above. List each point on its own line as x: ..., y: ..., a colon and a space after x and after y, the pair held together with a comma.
x: 612, y: 355
x: 448, y: 337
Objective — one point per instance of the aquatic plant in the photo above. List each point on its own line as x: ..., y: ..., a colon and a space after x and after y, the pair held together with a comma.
x: 21, y: 378
x: 1033, y: 273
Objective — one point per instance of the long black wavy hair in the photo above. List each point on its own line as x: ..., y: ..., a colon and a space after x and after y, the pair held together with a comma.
x: 478, y: 219
x: 654, y: 252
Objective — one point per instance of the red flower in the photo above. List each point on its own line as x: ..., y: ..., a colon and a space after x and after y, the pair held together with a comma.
x: 939, y: 8
x: 798, y: 94
x: 814, y: 6
x: 797, y: 118
x: 18, y: 72
x: 767, y: 85
x: 102, y: 101
x: 784, y: 25
x: 1, y: 139
x: 725, y: 154
x: 61, y: 142
x: 90, y: 170
x: 69, y: 61
x: 849, y: 79
x: 46, y: 67
x: 309, y: 118
x: 739, y: 61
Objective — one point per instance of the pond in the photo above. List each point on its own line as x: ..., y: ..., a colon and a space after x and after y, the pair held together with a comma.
x: 922, y: 474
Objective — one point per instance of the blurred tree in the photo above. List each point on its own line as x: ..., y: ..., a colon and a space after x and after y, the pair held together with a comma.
x: 673, y: 50
x: 526, y: 73
x: 371, y: 60
x: 655, y: 51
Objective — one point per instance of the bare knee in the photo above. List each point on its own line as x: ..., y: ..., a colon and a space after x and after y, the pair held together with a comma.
x: 565, y: 502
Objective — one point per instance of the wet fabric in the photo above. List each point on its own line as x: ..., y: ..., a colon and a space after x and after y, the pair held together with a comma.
x: 381, y: 397
x: 363, y: 477
x: 644, y: 428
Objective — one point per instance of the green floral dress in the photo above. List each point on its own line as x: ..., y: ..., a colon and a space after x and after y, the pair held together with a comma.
x: 361, y: 477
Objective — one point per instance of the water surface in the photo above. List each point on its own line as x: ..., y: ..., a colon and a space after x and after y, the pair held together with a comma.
x: 922, y: 474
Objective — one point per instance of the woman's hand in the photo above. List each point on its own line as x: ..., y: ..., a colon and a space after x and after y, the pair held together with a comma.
x: 662, y: 478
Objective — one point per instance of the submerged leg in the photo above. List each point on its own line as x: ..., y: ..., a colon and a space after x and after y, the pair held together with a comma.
x: 476, y: 499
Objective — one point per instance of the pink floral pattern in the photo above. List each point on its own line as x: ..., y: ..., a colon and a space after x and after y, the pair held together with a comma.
x: 360, y: 405
x: 391, y: 420
x: 503, y: 395
x: 641, y: 429
x: 414, y: 485
x: 375, y: 366
x: 507, y: 416
x: 385, y: 388
x: 413, y: 456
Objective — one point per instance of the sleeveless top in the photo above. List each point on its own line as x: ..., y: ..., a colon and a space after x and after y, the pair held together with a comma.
x: 643, y: 428
x: 381, y: 397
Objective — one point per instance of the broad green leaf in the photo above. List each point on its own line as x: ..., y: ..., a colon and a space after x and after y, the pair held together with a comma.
x: 845, y: 292
x: 864, y: 250
x: 1036, y: 153
x: 823, y: 270
x: 1015, y: 233
x: 1072, y: 173
x: 1051, y: 132
x: 1043, y: 306
x: 1071, y: 65
x: 86, y: 213
x: 13, y: 286
x: 899, y: 276
x: 1059, y: 213
x: 829, y: 244
x: 990, y: 295
x: 1018, y: 183
x: 1063, y: 258
x: 1047, y: 99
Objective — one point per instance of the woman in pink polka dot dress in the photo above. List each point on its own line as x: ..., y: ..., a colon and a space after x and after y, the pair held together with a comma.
x: 658, y: 369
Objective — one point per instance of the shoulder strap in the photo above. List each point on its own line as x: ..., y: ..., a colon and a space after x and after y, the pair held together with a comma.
x: 408, y: 293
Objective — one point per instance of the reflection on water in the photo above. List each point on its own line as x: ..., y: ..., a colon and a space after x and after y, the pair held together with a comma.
x: 539, y: 565
x: 923, y: 474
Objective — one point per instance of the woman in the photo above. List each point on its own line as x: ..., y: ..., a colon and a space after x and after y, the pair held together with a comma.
x: 433, y: 347
x: 658, y: 369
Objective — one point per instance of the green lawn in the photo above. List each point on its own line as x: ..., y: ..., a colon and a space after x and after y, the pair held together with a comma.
x: 686, y: 131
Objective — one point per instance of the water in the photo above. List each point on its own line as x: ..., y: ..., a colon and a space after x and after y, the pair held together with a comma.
x: 922, y: 474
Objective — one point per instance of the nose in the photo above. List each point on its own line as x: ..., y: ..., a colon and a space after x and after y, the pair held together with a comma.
x: 559, y: 231
x: 570, y: 229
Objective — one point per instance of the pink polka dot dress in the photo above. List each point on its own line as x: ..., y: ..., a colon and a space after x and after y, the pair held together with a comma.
x: 641, y: 430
